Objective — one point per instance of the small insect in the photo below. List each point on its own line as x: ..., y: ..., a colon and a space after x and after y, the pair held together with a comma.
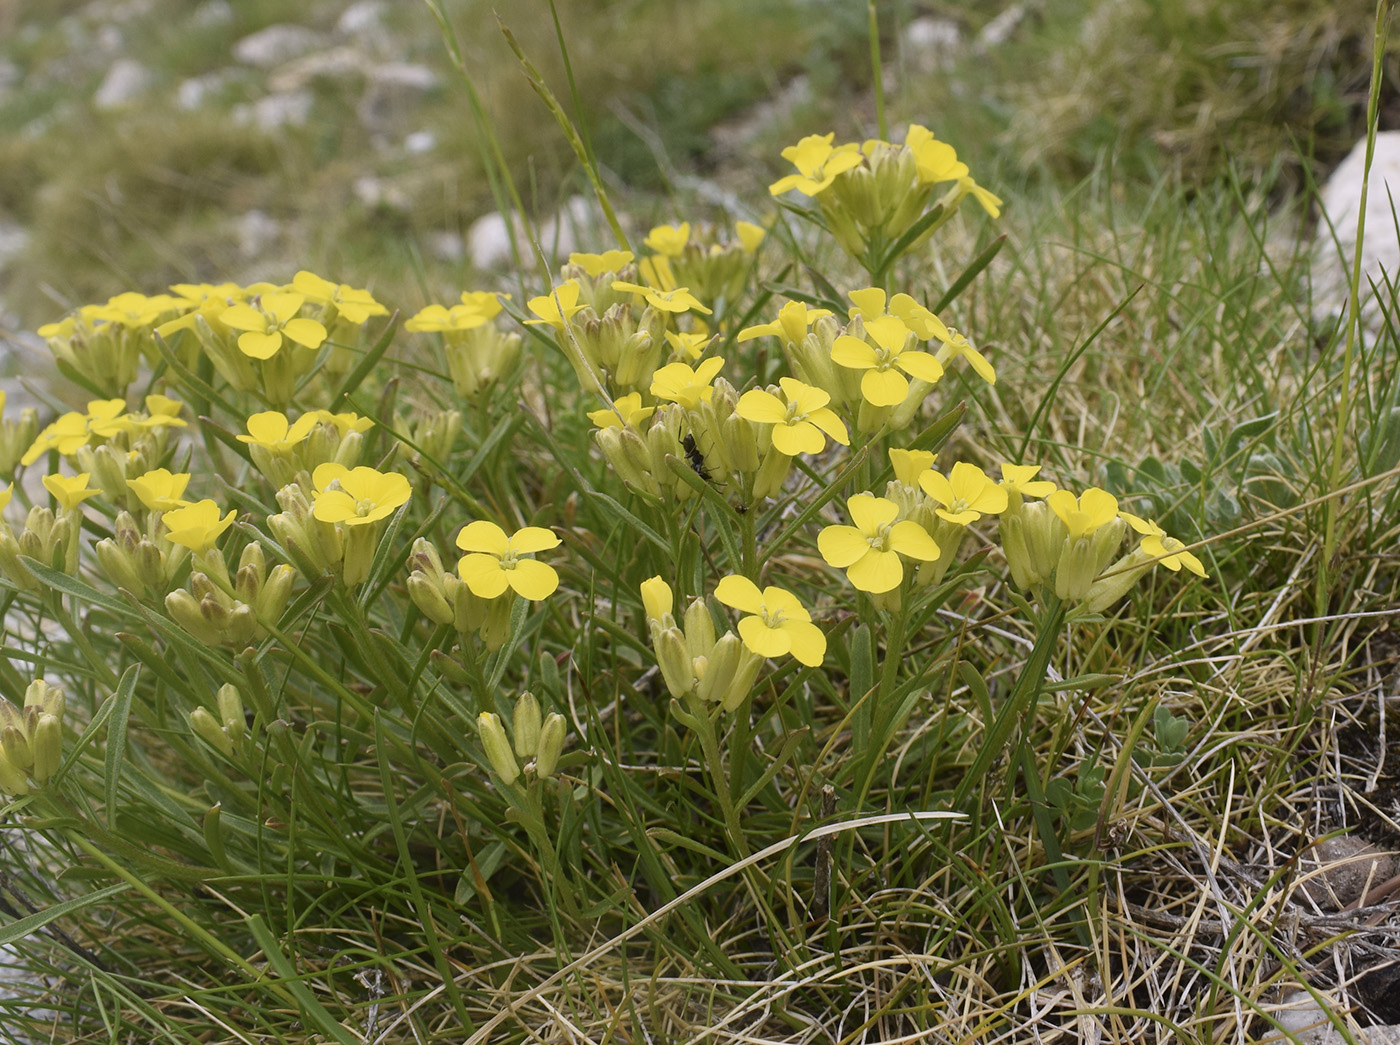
x: 695, y: 457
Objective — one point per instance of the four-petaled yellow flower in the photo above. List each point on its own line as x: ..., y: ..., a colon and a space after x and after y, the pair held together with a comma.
x: 794, y: 319
x: 692, y: 344
x: 936, y: 161
x: 273, y: 432
x: 265, y: 326
x: 557, y: 307
x: 965, y: 495
x: 1169, y: 551
x: 1086, y: 513
x: 678, y: 383
x: 69, y: 490
x: 779, y: 624
x: 955, y: 345
x: 160, y: 490
x: 496, y: 561
x: 596, y: 265
x: 357, y: 496
x: 870, y: 550
x: 627, y: 412
x: 679, y: 299
x: 197, y: 526
x: 870, y: 304
x: 354, y: 305
x: 751, y: 236
x: 669, y: 239
x: 909, y: 465
x: 817, y: 162
x: 1021, y: 479
x: 799, y: 423
x: 882, y: 384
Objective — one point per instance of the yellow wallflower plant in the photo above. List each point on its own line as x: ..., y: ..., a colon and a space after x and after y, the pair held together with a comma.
x: 160, y: 490
x: 679, y: 383
x: 887, y: 361
x: 496, y: 561
x: 197, y: 526
x: 800, y: 419
x: 778, y: 624
x: 274, y: 319
x: 69, y: 490
x: 818, y: 162
x: 870, y: 550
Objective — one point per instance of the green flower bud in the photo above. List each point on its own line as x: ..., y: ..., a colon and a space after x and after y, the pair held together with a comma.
x: 525, y: 723
x: 205, y: 725
x: 232, y: 716
x: 551, y: 744
x: 673, y: 658
x: 744, y: 677
x: 495, y: 629
x: 12, y: 779
x: 699, y: 629
x: 15, y: 747
x: 429, y: 598
x: 721, y: 666
x: 497, y: 746
x: 187, y: 612
x: 48, y: 699
x: 48, y: 748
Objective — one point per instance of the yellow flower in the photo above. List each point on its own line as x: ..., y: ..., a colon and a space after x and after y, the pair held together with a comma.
x: 440, y: 319
x: 678, y: 383
x: 357, y: 496
x: 69, y: 490
x: 1086, y: 513
x: 692, y: 345
x: 870, y: 304
x: 792, y: 324
x: 909, y: 465
x: 799, y: 423
x: 627, y: 411
x: 936, y: 160
x: 1021, y: 479
x: 882, y: 384
x: 496, y: 562
x: 669, y: 240
x: 750, y: 235
x: 265, y: 326
x: 273, y: 432
x: 955, y: 345
x: 817, y: 162
x: 680, y: 299
x: 870, y: 550
x: 779, y: 624
x: 1169, y: 551
x: 197, y: 526
x: 966, y: 495
x: 65, y: 435
x: 596, y: 265
x: 557, y: 307
x: 657, y: 598
x: 160, y: 490
x: 354, y: 305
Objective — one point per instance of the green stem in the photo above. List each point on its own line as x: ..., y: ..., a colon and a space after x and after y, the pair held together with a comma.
x: 876, y: 71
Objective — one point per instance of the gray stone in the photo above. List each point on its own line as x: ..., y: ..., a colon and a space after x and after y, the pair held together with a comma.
x: 420, y: 142
x: 377, y: 193
x: 560, y: 234
x: 256, y: 231
x: 126, y: 81
x: 276, y: 45
x: 1337, y: 870
x: 194, y: 92
x: 212, y: 13
x: 1301, y: 1016
x: 1335, y: 241
x: 928, y: 44
x: 13, y: 240
x: 447, y: 246
x: 338, y: 64
x: 290, y: 109
x: 361, y: 19
x: 393, y: 93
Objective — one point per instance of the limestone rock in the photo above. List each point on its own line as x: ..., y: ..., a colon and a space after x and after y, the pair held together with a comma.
x: 276, y: 45
x: 1338, y: 869
x: 1335, y: 240
x: 560, y: 234
x: 126, y: 80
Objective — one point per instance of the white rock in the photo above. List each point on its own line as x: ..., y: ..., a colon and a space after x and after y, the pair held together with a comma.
x: 275, y: 45
x: 377, y: 193
x: 1000, y: 28
x: 1301, y: 1016
x: 447, y: 246
x: 420, y: 142
x: 337, y: 64
x: 212, y: 13
x: 929, y: 44
x: 488, y: 243
x: 194, y: 92
x: 125, y: 81
x: 255, y: 232
x: 13, y: 239
x: 1380, y: 251
x: 361, y: 18
x: 288, y: 109
x: 393, y: 92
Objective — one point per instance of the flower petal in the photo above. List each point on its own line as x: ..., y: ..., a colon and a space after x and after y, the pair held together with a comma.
x: 482, y: 574
x: 840, y: 546
x: 740, y: 593
x: 483, y: 536
x: 532, y: 579
x: 884, y: 387
x: 763, y: 640
x: 533, y: 539
x: 876, y: 572
x: 808, y: 642
x: 911, y: 539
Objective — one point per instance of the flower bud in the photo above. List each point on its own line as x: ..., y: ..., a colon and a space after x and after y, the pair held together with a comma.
x: 658, y: 600
x: 12, y: 779
x: 48, y: 699
x: 551, y: 744
x: 47, y: 743
x: 232, y: 716
x: 208, y: 729
x: 15, y: 747
x: 429, y: 598
x: 495, y: 629
x: 497, y: 746
x: 525, y: 723
x: 673, y: 658
x: 720, y: 668
x: 699, y: 629
x: 187, y: 612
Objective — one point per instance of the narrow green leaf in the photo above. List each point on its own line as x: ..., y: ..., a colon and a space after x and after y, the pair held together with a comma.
x: 116, y: 740
x: 32, y: 923
x: 311, y: 1009
x: 369, y: 362
x: 970, y: 273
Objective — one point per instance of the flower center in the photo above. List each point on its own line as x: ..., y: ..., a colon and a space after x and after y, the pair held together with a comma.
x: 879, y: 539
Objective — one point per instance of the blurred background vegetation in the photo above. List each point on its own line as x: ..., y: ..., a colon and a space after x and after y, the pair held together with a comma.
x: 144, y: 142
